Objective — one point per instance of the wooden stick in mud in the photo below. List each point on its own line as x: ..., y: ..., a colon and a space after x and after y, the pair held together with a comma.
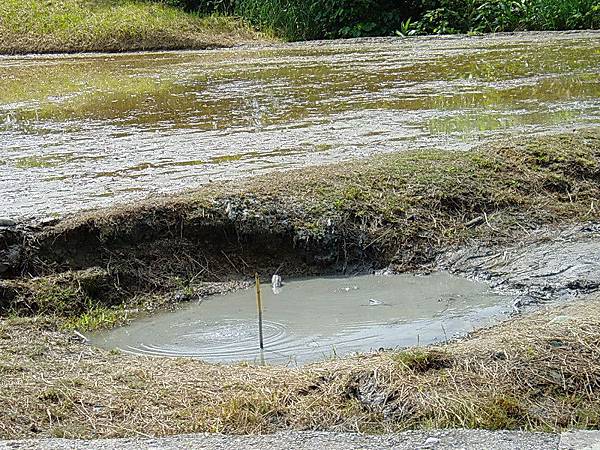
x: 259, y: 307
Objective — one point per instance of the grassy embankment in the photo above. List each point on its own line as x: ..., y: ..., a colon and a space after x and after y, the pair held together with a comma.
x: 402, y: 209
x: 32, y: 26
x: 538, y: 372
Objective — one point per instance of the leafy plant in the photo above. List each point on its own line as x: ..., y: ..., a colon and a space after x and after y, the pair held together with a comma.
x: 454, y: 16
x: 407, y: 28
x: 314, y: 19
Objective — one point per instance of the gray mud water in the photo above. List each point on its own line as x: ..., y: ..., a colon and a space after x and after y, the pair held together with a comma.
x: 318, y: 318
x: 82, y: 131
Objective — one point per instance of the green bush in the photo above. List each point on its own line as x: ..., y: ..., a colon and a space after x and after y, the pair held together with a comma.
x: 317, y: 19
x: 314, y: 19
x: 459, y: 16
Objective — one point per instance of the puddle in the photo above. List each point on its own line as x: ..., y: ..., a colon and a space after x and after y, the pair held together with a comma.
x: 315, y: 319
x: 82, y: 131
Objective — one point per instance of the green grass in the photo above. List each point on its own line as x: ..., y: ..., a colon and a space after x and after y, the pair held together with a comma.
x: 96, y: 318
x: 33, y: 26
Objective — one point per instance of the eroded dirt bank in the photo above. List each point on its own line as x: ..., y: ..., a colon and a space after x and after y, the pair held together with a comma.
x: 473, y: 212
x: 403, y: 210
x: 544, y: 266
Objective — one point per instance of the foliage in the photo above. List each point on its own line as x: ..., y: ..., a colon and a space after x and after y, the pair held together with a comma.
x: 314, y: 19
x: 459, y: 16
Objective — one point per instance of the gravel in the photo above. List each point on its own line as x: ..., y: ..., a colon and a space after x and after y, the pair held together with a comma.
x: 435, y: 440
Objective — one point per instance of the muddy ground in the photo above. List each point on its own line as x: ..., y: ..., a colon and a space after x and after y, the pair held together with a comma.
x: 520, y: 214
x: 404, y: 209
x: 547, y: 265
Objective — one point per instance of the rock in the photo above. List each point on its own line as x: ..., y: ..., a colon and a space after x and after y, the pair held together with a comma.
x: 10, y: 258
x: 276, y: 284
x: 499, y: 356
x: 276, y: 281
x: 388, y: 271
x: 48, y: 221
x: 431, y: 441
x: 561, y: 319
x: 7, y: 222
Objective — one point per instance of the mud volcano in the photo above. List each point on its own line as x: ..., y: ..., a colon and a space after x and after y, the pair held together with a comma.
x: 316, y: 318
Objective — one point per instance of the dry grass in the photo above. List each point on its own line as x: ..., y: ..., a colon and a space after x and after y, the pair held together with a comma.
x: 539, y: 372
x: 57, y: 26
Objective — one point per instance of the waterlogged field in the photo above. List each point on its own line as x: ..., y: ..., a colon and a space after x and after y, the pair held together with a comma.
x: 89, y: 130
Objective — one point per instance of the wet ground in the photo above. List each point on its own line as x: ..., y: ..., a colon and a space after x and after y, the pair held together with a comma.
x: 546, y: 266
x: 89, y: 130
x: 312, y: 319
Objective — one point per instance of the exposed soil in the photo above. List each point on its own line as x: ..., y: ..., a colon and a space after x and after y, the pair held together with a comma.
x: 543, y: 267
x: 406, y: 209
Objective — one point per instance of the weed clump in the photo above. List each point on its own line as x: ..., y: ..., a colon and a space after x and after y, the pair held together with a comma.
x: 423, y: 360
x: 67, y: 294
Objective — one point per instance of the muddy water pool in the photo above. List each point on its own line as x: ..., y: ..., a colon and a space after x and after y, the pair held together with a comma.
x: 83, y: 131
x: 313, y: 319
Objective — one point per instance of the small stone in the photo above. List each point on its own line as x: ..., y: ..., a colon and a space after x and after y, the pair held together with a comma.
x: 48, y: 221
x: 499, y: 356
x: 431, y: 441
x: 276, y: 281
x: 7, y: 222
x: 561, y: 319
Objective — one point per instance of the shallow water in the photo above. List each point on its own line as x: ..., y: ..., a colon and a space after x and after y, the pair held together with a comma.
x: 89, y: 130
x: 314, y: 319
